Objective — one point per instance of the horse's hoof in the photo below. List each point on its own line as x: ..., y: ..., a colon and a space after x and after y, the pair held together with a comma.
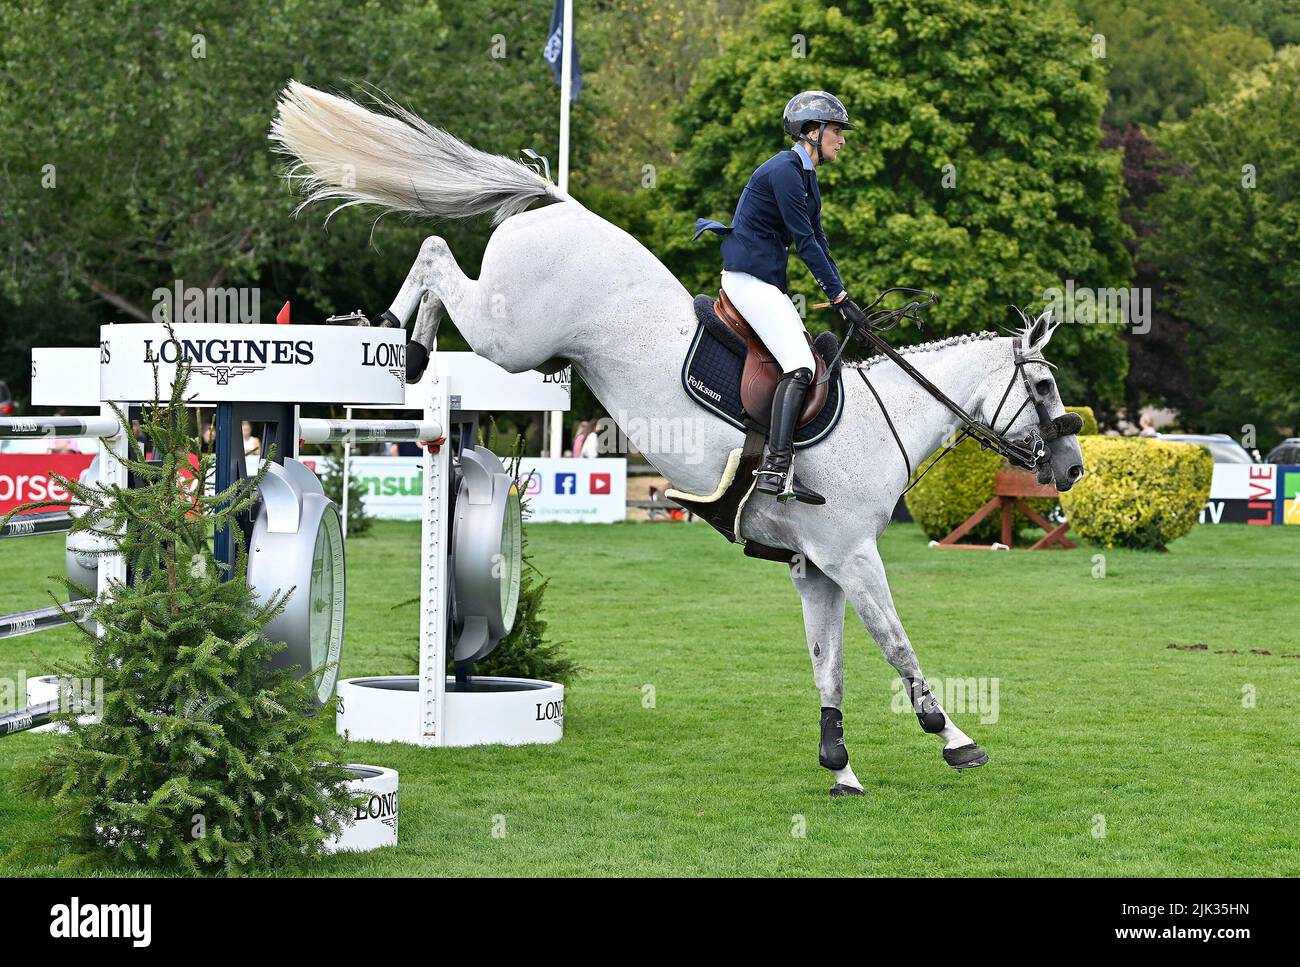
x: 840, y: 789
x: 965, y: 756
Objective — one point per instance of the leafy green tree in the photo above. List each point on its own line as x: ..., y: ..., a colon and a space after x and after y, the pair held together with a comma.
x: 1229, y: 237
x: 643, y: 56
x: 1167, y: 57
x: 146, y: 160
x: 201, y: 757
x: 1278, y: 20
x: 975, y: 170
x: 1157, y: 358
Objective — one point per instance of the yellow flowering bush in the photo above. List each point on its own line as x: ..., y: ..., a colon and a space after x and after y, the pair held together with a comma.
x: 1137, y: 492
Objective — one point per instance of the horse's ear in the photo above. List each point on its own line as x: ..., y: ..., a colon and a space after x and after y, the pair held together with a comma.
x: 1040, y: 333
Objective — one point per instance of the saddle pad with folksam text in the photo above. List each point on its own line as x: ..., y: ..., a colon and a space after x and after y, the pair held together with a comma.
x: 712, y: 370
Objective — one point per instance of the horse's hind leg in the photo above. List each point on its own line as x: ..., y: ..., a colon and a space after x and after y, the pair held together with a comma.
x: 862, y: 576
x: 823, y: 618
x: 434, y: 282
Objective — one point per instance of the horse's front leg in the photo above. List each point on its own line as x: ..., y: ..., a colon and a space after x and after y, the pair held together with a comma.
x: 862, y: 576
x: 823, y: 618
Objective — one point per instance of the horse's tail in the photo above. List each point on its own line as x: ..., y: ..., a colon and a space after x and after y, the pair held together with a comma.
x: 396, y: 160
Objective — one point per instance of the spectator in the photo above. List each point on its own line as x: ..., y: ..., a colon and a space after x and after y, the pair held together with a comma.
x: 591, y: 445
x: 405, y: 449
x: 252, y: 445
x: 579, y: 436
x: 655, y: 513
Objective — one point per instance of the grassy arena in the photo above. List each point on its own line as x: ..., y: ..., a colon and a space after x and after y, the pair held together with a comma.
x: 1097, y: 717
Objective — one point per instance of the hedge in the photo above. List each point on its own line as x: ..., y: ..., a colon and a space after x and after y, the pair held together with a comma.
x: 962, y: 483
x: 1138, y: 493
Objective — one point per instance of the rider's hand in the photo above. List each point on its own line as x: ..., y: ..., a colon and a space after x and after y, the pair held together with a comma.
x: 851, y: 311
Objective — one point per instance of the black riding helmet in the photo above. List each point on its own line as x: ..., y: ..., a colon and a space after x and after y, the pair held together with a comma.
x: 815, y: 106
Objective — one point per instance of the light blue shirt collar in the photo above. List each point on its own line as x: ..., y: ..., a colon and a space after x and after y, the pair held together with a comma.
x: 807, y: 162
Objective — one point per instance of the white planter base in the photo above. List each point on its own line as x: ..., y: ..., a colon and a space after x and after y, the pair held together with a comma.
x: 375, y: 822
x: 493, y: 711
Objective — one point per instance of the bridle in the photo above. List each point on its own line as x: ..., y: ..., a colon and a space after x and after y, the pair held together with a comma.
x: 1029, y: 452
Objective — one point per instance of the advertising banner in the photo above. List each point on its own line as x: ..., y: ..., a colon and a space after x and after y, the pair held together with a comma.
x: 554, y: 489
x: 25, y: 477
x: 274, y: 364
x: 1252, y: 493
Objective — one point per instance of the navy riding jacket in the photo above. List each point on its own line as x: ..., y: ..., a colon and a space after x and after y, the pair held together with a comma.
x: 780, y: 206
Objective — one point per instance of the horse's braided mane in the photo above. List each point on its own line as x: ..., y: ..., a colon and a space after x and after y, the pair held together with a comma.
x: 926, y: 347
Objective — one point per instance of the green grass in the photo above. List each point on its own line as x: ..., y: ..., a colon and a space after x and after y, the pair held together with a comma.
x: 1097, y: 716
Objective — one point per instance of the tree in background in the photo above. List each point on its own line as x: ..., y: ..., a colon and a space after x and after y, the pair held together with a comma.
x: 1277, y: 20
x: 975, y: 170
x: 1158, y: 370
x: 1166, y: 57
x: 1229, y: 237
x: 646, y: 54
x: 159, y: 163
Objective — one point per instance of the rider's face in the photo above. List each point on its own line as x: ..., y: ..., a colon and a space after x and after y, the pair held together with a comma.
x: 832, y: 141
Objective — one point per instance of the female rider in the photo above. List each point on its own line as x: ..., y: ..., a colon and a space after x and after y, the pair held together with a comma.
x: 781, y: 206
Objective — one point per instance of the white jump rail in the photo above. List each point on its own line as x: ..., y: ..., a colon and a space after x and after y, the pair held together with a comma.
x: 367, y: 431
x: 111, y: 449
x: 38, y: 427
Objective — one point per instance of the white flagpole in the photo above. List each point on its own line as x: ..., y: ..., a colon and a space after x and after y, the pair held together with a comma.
x: 566, y: 84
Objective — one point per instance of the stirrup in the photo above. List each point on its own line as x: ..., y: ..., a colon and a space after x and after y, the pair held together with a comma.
x: 784, y: 489
x: 787, y: 492
x: 782, y: 483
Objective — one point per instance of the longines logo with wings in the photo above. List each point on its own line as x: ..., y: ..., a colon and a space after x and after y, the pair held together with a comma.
x: 224, y: 374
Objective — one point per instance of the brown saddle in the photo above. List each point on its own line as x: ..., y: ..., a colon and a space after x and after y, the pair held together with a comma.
x: 762, y: 372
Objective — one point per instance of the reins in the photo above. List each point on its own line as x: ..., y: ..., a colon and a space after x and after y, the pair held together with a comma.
x: 1029, y: 453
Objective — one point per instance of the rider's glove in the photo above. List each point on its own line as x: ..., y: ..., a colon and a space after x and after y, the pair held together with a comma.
x: 851, y: 311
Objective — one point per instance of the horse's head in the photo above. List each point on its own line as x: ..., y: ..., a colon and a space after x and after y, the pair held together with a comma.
x: 1048, y: 432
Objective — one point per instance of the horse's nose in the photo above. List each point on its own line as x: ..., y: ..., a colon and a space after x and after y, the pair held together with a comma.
x: 1075, y: 472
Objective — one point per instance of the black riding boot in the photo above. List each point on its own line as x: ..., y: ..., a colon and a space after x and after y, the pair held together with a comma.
x: 775, y: 475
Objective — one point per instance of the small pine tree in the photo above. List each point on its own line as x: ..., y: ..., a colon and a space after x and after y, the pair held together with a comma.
x: 201, y: 757
x: 331, y: 479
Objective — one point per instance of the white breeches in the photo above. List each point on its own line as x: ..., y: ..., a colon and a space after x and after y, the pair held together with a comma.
x: 772, y: 315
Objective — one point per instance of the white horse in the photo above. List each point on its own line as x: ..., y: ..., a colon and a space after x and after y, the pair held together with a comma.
x: 558, y: 282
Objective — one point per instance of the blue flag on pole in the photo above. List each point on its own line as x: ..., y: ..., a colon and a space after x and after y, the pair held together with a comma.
x: 554, y: 51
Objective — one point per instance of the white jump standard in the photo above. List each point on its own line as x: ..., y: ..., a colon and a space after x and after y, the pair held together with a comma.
x: 482, y: 553
x: 470, y: 532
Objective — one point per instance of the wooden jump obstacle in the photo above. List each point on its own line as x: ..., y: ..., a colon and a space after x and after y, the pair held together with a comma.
x: 1009, y: 487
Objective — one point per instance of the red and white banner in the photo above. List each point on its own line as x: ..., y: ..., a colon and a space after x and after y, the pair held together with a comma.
x: 25, y: 477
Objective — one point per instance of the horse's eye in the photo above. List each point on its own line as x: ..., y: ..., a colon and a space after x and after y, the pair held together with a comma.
x: 1043, y: 387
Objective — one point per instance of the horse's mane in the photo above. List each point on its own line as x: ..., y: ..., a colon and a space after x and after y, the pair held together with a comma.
x: 926, y: 347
